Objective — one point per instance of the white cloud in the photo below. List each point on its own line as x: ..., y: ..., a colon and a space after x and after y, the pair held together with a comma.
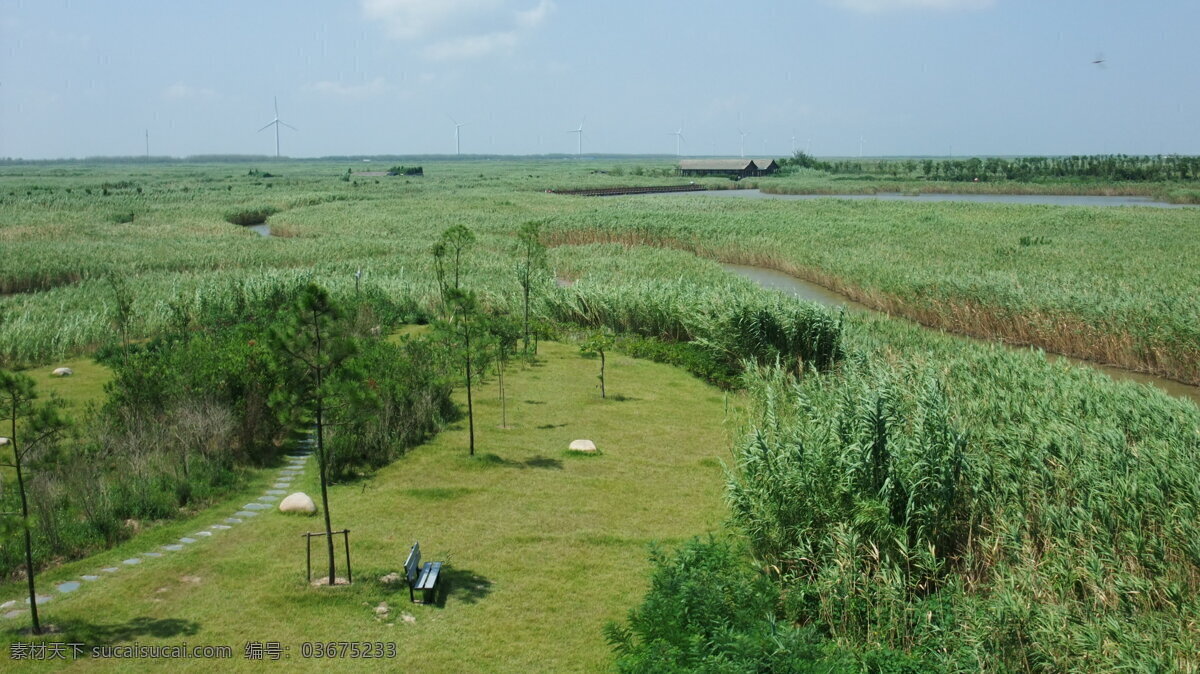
x: 471, y: 46
x: 876, y: 6
x: 532, y: 18
x: 364, y: 90
x: 459, y: 29
x: 181, y: 91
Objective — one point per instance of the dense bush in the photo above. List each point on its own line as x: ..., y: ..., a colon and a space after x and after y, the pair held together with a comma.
x: 410, y: 400
x: 250, y: 216
x: 187, y: 415
x: 734, y: 326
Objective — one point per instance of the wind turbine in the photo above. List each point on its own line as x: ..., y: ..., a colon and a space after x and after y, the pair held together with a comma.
x: 861, y: 140
x: 579, y: 148
x: 678, y: 133
x: 276, y: 123
x: 457, y: 126
x: 742, y: 147
x: 793, y: 143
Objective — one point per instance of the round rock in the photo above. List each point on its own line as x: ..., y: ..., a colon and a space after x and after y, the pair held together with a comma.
x: 582, y: 446
x: 63, y: 372
x: 298, y: 503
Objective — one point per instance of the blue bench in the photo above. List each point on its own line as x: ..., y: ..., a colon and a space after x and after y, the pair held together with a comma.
x: 423, y: 578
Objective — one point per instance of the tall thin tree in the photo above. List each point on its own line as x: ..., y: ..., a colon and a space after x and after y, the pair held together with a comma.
x: 33, y: 430
x: 316, y: 349
x: 457, y: 240
x: 464, y: 325
x: 531, y: 266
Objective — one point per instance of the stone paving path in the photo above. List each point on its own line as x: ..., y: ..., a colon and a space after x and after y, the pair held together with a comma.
x: 294, y: 468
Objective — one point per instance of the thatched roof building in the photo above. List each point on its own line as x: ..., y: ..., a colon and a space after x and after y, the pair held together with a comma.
x: 734, y: 168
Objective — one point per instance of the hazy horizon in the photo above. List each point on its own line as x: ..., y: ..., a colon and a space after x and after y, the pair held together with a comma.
x: 908, y: 78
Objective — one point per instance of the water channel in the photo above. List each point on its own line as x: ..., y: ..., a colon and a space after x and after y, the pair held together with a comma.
x: 1036, y: 199
x: 774, y: 280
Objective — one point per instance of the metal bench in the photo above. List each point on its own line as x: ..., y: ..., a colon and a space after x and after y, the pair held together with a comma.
x: 421, y: 578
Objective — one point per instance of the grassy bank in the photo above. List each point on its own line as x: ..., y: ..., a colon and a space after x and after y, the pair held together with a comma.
x: 542, y: 547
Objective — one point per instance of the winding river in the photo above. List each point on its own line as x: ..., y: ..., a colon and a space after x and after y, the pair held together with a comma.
x: 774, y: 280
x: 1036, y: 199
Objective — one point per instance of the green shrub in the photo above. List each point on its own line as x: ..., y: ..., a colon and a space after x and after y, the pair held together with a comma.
x: 250, y: 216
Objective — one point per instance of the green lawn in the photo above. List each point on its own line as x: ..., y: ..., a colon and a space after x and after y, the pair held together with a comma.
x: 542, y: 548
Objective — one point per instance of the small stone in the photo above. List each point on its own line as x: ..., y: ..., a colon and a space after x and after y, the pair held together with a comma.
x: 173, y: 547
x: 185, y: 539
x: 392, y: 577
x: 131, y: 561
x: 268, y: 498
x: 152, y: 554
x: 109, y: 569
x: 281, y: 485
x: 409, y: 618
x: 69, y: 586
x: 63, y: 372
x: 246, y: 513
x: 90, y: 578
x: 233, y: 520
x: 14, y: 614
x: 8, y: 604
x: 41, y: 599
x: 256, y: 506
x: 203, y: 533
x: 582, y: 446
x: 220, y: 527
x: 194, y: 580
x: 298, y: 503
x: 382, y: 610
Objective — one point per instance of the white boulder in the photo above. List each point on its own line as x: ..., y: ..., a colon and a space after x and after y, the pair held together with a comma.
x: 298, y: 503
x: 3, y: 441
x: 582, y: 446
x: 63, y: 372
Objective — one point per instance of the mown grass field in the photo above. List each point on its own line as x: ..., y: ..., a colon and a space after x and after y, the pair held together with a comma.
x: 543, y: 547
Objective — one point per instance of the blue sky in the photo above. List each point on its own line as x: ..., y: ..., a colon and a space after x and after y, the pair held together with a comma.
x: 906, y: 77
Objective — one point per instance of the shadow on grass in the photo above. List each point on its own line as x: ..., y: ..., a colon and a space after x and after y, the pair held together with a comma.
x: 104, y: 634
x: 534, y: 402
x: 544, y: 462
x: 495, y: 460
x: 462, y: 585
x: 622, y: 398
x: 546, y: 427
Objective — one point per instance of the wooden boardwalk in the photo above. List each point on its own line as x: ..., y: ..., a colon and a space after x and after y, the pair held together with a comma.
x: 616, y: 191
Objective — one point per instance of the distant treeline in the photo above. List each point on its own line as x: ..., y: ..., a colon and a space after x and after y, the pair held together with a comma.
x: 1101, y: 167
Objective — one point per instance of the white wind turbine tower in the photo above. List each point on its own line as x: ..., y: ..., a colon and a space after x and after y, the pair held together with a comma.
x: 457, y: 126
x: 678, y: 133
x: 793, y: 143
x: 742, y: 147
x: 579, y: 147
x: 861, y: 140
x: 276, y: 123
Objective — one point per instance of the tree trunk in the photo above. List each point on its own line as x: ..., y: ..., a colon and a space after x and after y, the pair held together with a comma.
x: 33, y: 610
x: 525, y: 288
x: 470, y: 406
x: 323, y: 459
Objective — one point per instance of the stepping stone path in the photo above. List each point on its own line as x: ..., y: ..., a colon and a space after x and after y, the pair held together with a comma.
x: 296, y: 463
